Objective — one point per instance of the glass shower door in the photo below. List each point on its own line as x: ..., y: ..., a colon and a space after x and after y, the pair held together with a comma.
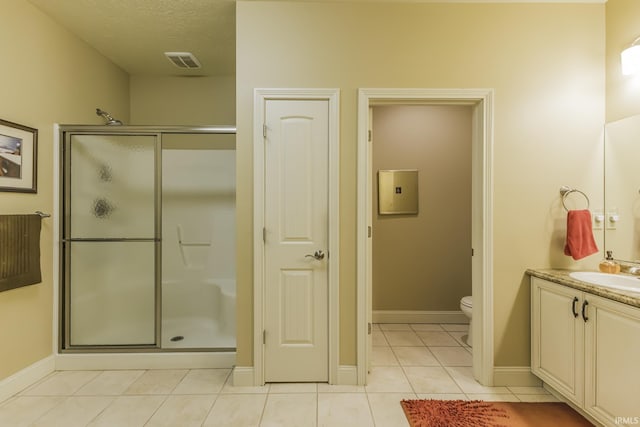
x: 111, y: 240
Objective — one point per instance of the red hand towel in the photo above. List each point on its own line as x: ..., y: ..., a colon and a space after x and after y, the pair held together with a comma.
x: 580, y: 242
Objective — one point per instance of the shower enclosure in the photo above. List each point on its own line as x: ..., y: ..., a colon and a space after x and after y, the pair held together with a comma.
x: 147, y: 238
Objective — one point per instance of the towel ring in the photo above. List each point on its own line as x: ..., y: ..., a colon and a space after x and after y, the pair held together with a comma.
x: 565, y: 191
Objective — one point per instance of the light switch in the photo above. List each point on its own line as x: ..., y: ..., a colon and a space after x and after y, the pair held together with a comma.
x: 598, y: 220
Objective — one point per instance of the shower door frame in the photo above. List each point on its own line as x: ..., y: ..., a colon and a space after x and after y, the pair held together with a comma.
x: 65, y: 133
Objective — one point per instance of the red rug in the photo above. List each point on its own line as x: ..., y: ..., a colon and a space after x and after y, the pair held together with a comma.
x: 477, y: 413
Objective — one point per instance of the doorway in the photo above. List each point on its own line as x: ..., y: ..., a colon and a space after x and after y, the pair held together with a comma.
x: 421, y: 259
x: 481, y: 102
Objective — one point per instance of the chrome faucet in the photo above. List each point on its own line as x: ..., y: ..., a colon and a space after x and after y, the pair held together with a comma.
x: 634, y: 270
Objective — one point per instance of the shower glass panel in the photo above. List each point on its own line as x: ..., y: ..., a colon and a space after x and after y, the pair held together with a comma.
x: 198, y: 241
x: 148, y: 238
x: 110, y: 239
x: 112, y: 306
x: 113, y: 186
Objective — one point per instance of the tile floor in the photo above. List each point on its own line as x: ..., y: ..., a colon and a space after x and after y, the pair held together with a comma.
x: 409, y: 361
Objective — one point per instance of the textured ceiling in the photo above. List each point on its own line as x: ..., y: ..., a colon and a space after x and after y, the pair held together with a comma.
x: 135, y: 33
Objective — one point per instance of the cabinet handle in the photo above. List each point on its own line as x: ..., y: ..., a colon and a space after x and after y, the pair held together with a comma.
x: 584, y: 310
x: 573, y: 307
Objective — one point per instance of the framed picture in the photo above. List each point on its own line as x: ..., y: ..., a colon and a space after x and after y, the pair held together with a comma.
x: 18, y: 157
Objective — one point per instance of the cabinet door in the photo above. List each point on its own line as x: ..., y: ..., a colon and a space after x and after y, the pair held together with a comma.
x: 557, y: 338
x: 612, y: 349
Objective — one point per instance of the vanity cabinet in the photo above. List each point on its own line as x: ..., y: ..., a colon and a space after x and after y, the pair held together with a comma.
x: 557, y: 338
x: 588, y: 349
x: 612, y: 361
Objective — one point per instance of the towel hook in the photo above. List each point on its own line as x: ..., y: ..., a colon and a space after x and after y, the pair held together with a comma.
x: 565, y: 191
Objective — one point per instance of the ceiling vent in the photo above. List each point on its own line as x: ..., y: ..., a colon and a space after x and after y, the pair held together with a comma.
x: 183, y: 59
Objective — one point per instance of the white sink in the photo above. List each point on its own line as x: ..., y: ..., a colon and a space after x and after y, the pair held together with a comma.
x: 614, y: 281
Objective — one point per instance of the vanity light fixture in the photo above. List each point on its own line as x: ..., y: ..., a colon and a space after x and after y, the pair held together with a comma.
x: 630, y: 58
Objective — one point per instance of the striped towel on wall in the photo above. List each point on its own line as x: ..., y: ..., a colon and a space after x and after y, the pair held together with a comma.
x: 19, y: 251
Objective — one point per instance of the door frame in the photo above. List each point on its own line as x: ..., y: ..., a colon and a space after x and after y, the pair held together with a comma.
x: 482, y: 215
x: 261, y: 95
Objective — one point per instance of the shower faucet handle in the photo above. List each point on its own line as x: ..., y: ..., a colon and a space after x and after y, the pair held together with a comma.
x: 318, y: 255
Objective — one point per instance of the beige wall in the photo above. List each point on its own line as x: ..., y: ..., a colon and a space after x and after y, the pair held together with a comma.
x: 47, y: 76
x: 183, y: 100
x: 545, y: 62
x: 623, y: 27
x: 423, y: 261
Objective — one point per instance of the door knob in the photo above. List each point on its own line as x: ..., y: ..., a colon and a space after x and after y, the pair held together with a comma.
x: 318, y: 255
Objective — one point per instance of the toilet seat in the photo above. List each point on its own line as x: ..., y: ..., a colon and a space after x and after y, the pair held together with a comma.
x: 467, y: 301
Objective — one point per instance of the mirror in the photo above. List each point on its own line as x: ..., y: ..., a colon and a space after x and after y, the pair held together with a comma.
x: 622, y: 188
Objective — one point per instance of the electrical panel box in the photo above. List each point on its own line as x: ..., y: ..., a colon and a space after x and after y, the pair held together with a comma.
x: 398, y: 192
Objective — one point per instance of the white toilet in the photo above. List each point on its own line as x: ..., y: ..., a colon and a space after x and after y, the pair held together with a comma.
x: 465, y: 306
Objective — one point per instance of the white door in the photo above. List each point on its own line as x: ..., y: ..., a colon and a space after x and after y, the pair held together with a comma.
x: 296, y: 241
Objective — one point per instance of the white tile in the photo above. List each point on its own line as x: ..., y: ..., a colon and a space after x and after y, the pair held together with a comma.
x: 24, y: 410
x: 378, y: 339
x: 387, y: 379
x: 463, y: 376
x: 403, y: 338
x: 183, y: 411
x: 157, y: 381
x: 202, y: 381
x: 501, y: 397
x: 431, y: 379
x: 460, y: 337
x: 386, y: 408
x: 238, y: 410
x: 348, y: 409
x: 383, y: 356
x: 75, y: 411
x: 230, y: 388
x: 294, y: 388
x: 111, y: 383
x: 426, y: 327
x: 437, y: 339
x: 442, y: 396
x: 537, y: 398
x: 61, y: 383
x: 290, y: 410
x: 415, y: 356
x: 339, y: 388
x: 128, y: 411
x: 527, y: 390
x: 452, y: 356
x: 395, y: 327
x: 455, y: 327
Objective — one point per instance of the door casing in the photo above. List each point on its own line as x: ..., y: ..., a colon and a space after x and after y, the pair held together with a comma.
x: 261, y: 95
x: 481, y: 101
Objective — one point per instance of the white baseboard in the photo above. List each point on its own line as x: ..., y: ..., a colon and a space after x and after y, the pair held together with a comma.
x: 409, y: 316
x: 515, y: 376
x: 105, y: 361
x: 347, y: 375
x: 243, y: 376
x: 26, y: 377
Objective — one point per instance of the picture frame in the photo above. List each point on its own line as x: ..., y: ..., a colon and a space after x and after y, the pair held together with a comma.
x: 18, y: 158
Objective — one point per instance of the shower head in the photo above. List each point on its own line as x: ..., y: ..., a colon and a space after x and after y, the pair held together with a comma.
x: 110, y: 120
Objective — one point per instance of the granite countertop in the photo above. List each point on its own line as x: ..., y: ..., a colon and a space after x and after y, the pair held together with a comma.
x: 562, y: 277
